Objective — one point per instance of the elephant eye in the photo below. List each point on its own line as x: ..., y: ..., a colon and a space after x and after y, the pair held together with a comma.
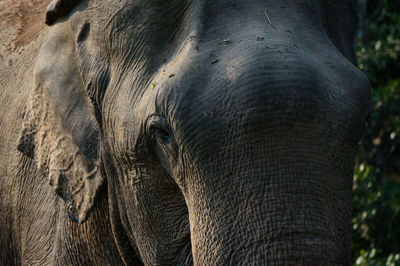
x: 163, y: 137
x: 158, y: 128
x: 162, y: 141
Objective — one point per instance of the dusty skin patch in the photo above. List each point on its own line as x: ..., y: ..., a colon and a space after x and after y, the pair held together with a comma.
x: 21, y: 21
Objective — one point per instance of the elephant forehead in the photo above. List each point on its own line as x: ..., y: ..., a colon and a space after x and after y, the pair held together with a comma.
x: 254, y: 90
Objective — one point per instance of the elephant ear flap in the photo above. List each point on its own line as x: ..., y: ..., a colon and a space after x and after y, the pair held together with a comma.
x: 58, y: 9
x: 60, y: 131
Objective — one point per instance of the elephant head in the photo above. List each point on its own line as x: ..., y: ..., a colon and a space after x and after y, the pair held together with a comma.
x: 224, y: 130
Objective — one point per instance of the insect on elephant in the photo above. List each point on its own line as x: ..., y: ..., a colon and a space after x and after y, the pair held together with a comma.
x: 182, y: 132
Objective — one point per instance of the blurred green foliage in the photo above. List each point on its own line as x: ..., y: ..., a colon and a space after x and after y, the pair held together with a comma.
x: 376, y: 189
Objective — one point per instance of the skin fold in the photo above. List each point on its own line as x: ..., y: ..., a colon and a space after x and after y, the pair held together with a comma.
x: 181, y: 132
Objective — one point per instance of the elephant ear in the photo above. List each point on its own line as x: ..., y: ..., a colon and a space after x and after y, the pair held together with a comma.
x: 58, y: 9
x: 60, y: 131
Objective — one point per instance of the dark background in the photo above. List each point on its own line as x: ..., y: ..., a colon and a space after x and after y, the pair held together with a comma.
x: 376, y: 198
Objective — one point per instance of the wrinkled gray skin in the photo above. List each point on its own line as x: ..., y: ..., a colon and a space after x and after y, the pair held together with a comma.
x: 195, y: 132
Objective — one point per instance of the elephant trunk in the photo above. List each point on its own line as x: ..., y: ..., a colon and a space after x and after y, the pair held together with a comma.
x: 267, y: 212
x: 273, y: 185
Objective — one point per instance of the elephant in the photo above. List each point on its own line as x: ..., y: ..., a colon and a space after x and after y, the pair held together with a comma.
x: 181, y: 132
